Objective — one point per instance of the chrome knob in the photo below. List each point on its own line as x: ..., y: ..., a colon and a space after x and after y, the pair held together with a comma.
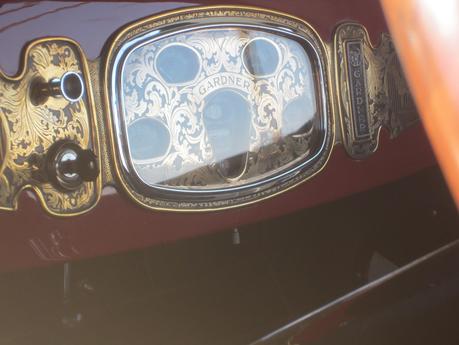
x: 69, y: 86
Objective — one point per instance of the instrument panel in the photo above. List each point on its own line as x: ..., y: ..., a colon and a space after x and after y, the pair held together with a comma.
x: 215, y: 117
x: 195, y: 110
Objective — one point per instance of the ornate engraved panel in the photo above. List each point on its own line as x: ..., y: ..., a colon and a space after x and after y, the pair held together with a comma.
x: 28, y: 129
x: 193, y: 157
x: 371, y: 90
x: 229, y: 72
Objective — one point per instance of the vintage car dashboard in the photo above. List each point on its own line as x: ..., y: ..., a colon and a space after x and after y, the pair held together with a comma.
x: 196, y: 109
x: 206, y: 108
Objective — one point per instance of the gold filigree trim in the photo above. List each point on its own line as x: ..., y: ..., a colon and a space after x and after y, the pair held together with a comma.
x: 29, y: 129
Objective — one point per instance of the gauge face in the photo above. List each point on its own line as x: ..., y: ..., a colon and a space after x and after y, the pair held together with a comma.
x: 149, y: 140
x: 218, y: 109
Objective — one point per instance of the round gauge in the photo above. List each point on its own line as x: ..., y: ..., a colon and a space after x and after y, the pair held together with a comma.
x: 148, y: 138
x: 298, y: 116
x: 261, y: 57
x: 177, y: 64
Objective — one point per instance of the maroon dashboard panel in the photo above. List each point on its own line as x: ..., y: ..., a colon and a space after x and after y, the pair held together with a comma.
x: 31, y: 237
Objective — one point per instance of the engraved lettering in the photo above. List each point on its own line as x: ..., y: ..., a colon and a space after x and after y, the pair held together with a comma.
x: 223, y: 80
x: 238, y: 82
x: 358, y: 93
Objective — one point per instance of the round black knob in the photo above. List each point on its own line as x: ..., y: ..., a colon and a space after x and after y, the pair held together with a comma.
x: 67, y: 165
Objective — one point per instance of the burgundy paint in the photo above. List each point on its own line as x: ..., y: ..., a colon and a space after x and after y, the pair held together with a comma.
x: 30, y: 237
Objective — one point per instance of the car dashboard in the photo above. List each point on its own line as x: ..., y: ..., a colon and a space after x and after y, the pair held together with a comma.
x: 222, y: 173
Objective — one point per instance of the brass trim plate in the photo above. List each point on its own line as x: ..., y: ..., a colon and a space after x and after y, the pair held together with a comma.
x: 28, y: 130
x: 371, y: 90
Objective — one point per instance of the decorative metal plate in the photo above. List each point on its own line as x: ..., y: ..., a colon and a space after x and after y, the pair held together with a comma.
x: 371, y: 90
x: 218, y: 110
x: 28, y: 130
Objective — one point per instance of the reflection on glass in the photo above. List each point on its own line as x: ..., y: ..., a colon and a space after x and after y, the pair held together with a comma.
x: 225, y: 107
x: 227, y: 117
x: 298, y: 116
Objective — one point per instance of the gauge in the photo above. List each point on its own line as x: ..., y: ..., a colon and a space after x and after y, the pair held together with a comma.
x: 177, y: 64
x: 261, y: 57
x: 149, y: 139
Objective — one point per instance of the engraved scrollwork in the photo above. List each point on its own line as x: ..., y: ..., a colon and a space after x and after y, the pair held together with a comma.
x: 372, y: 92
x: 180, y: 106
x: 30, y: 129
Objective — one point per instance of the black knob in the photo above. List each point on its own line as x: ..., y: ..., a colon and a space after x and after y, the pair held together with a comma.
x: 67, y: 165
